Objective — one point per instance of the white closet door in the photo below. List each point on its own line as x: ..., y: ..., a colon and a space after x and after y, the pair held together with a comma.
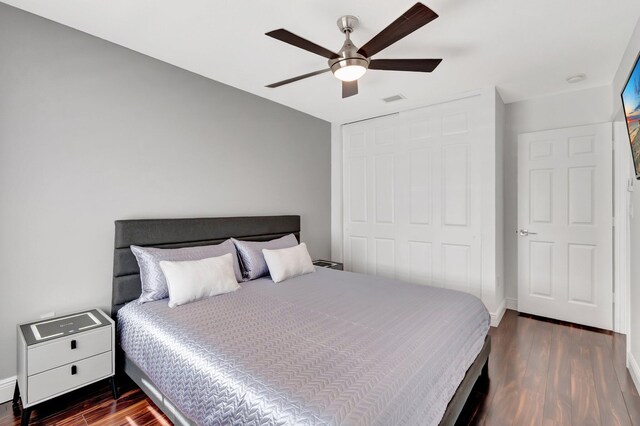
x: 412, y: 205
x: 370, y: 190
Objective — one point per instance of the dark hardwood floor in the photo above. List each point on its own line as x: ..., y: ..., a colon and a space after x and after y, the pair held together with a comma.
x: 547, y: 373
x: 541, y: 373
x: 92, y: 405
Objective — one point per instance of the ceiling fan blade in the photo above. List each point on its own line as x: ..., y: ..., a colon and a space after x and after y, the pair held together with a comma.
x: 349, y: 88
x: 417, y: 65
x: 297, y: 41
x: 300, y: 77
x: 414, y: 18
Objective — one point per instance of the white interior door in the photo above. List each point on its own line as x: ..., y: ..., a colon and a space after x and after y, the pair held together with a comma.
x: 411, y: 205
x: 565, y: 224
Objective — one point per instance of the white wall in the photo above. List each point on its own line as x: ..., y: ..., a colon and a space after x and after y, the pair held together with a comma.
x: 500, y: 125
x: 619, y: 80
x: 492, y: 112
x: 91, y: 132
x: 586, y: 106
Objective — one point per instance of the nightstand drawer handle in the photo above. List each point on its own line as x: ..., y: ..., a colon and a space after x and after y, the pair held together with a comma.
x: 74, y: 344
x: 74, y: 370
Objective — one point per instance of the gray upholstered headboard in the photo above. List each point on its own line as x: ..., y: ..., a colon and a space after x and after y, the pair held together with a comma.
x: 174, y: 233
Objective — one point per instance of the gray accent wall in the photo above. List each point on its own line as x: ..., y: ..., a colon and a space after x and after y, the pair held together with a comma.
x: 91, y: 132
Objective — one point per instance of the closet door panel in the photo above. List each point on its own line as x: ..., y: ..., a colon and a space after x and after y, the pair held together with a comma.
x: 417, y: 175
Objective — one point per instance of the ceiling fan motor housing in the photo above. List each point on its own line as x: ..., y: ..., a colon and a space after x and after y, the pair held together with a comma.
x: 348, y: 57
x: 348, y: 54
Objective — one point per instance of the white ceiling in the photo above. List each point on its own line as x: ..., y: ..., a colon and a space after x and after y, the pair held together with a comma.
x: 525, y: 48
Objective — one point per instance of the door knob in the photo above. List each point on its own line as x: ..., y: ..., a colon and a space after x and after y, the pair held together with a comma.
x: 525, y: 232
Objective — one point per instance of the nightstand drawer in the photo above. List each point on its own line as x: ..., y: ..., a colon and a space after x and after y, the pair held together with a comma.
x: 63, y: 351
x: 57, y: 380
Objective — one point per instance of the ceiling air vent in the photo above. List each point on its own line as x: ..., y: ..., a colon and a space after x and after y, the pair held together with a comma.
x: 394, y: 98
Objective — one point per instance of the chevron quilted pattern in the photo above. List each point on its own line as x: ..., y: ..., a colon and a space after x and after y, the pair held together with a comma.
x: 325, y: 348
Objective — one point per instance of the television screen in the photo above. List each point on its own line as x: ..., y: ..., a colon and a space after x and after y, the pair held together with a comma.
x: 631, y: 105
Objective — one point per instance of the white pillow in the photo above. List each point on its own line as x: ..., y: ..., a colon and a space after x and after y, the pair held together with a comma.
x: 192, y: 280
x: 288, y: 262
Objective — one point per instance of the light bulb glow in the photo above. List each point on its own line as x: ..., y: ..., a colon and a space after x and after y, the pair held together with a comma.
x: 350, y: 72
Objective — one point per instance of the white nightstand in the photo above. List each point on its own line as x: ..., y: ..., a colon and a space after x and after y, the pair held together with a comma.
x: 61, y: 354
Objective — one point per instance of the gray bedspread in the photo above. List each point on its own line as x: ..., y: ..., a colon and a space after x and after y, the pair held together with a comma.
x: 329, y: 347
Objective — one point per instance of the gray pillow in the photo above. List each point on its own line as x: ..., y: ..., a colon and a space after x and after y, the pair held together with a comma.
x: 253, y: 263
x: 154, y: 284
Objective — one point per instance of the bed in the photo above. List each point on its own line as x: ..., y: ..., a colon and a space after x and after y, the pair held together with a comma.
x: 329, y: 347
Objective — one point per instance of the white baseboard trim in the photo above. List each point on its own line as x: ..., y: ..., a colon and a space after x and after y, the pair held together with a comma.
x: 634, y: 369
x: 7, y: 387
x: 496, y: 316
x: 512, y: 303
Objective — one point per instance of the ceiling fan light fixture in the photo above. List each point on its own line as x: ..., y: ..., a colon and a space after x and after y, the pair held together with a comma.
x: 350, y: 73
x: 349, y: 69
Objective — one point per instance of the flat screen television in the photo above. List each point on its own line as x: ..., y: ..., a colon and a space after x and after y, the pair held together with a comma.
x: 631, y: 106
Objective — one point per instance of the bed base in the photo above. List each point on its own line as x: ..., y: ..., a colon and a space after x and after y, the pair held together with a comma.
x: 477, y: 371
x: 150, y: 389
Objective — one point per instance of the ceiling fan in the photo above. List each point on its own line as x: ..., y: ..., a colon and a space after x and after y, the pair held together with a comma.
x: 351, y: 63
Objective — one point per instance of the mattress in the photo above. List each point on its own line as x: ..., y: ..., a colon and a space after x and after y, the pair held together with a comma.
x: 326, y: 348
